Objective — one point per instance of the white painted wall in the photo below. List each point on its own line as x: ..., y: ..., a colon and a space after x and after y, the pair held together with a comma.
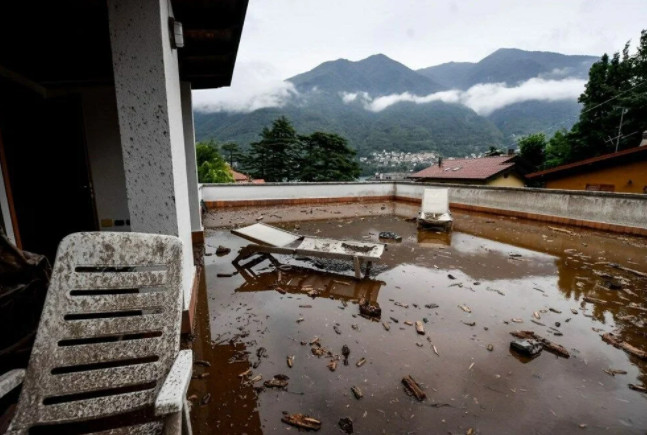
x: 189, y: 151
x: 104, y: 153
x: 149, y: 107
x: 237, y: 192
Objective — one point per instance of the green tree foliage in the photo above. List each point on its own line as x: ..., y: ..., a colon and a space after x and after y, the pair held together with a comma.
x: 615, y: 95
x: 557, y: 150
x: 327, y: 157
x: 532, y: 148
x: 212, y: 168
x: 616, y: 90
x: 274, y: 157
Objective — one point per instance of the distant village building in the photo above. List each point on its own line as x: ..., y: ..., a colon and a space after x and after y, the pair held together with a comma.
x: 624, y: 171
x: 491, y: 171
x: 391, y: 176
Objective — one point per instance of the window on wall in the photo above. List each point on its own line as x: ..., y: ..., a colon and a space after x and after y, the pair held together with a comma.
x: 601, y: 187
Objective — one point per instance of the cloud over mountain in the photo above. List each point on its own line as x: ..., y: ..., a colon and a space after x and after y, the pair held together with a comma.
x: 483, y: 98
x: 255, y: 86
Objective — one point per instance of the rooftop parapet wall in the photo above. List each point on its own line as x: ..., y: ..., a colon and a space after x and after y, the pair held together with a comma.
x: 617, y: 212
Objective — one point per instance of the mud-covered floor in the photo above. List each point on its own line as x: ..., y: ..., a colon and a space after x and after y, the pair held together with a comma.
x: 466, y: 289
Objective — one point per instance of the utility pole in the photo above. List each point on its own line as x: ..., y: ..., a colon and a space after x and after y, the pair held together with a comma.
x: 622, y: 115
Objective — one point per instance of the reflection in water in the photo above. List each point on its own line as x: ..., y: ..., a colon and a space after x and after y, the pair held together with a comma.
x: 432, y: 239
x: 215, y: 376
x: 586, y: 265
x: 296, y: 279
x: 470, y: 384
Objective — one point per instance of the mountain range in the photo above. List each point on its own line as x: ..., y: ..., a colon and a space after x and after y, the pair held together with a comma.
x: 455, y: 108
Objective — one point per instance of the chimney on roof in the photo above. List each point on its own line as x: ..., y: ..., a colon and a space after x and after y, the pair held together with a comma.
x: 644, y: 141
x: 440, y: 162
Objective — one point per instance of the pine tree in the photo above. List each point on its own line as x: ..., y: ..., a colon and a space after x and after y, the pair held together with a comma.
x: 274, y: 157
x: 327, y: 157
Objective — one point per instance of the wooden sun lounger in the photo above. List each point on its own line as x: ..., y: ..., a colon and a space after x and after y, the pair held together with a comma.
x: 272, y: 240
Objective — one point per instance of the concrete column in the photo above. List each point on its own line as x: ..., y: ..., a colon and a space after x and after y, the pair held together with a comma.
x: 189, y: 149
x: 147, y: 88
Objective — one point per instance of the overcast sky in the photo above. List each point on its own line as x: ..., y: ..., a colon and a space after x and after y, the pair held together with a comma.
x: 282, y: 38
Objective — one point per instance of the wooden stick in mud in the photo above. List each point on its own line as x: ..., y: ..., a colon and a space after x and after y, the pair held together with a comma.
x: 555, y: 348
x: 414, y: 388
x: 613, y: 340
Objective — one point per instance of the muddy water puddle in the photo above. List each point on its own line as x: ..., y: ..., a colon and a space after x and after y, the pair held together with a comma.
x: 470, y: 290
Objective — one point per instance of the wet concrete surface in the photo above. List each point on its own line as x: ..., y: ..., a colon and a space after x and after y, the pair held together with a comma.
x: 501, y: 269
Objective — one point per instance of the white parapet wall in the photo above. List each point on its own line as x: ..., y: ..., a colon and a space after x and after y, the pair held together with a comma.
x: 620, y: 212
x: 244, y: 192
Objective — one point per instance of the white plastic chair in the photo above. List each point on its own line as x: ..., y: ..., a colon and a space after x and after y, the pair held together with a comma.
x: 108, y: 341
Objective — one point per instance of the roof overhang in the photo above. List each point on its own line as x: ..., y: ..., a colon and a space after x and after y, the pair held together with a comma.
x: 629, y: 155
x: 67, y: 44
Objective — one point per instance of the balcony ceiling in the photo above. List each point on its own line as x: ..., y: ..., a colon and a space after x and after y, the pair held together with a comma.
x: 64, y: 44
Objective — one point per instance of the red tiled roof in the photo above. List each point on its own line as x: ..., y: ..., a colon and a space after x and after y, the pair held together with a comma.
x: 471, y: 169
x: 239, y: 176
x: 560, y: 170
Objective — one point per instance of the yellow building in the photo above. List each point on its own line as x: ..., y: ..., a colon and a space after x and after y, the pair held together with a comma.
x: 624, y: 171
x: 500, y: 171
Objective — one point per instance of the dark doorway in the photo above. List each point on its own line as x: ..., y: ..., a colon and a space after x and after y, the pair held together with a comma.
x: 48, y: 168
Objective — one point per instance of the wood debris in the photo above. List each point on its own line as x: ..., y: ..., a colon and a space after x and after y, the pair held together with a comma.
x: 613, y: 372
x: 419, y: 328
x: 640, y: 388
x: 414, y: 388
x: 593, y: 300
x: 615, y: 341
x: 302, y: 421
x: 357, y: 392
x: 561, y: 230
x: 205, y: 399
x: 386, y: 326
x: 369, y: 310
x: 361, y: 362
x: 626, y: 269
x: 290, y: 360
x: 278, y: 381
x: 555, y: 348
x: 332, y: 365
x: 465, y: 308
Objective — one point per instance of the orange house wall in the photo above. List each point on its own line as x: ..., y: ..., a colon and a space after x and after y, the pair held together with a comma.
x: 619, y: 176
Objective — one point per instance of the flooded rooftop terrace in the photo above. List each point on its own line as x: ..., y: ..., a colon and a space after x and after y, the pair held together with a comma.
x: 471, y: 289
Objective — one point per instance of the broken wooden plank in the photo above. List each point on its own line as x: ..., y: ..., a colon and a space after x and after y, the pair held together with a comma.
x: 413, y: 387
x: 615, y: 341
